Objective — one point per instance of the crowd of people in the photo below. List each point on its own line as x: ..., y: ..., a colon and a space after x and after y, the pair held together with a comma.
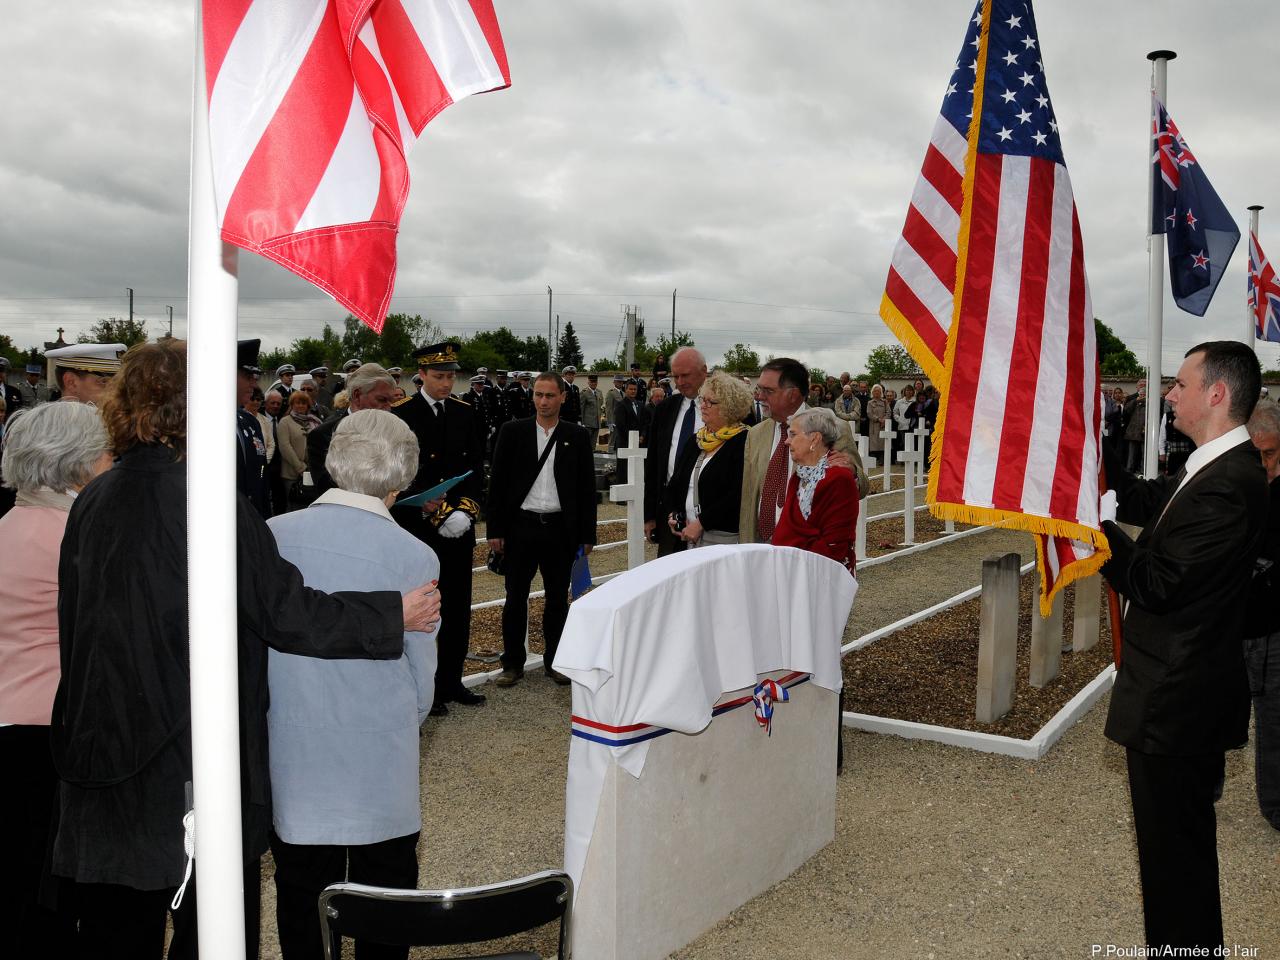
x: 356, y: 534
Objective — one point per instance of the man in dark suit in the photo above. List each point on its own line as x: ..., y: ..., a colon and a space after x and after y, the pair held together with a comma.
x: 450, y: 442
x: 676, y: 421
x: 1180, y: 698
x: 627, y: 418
x: 369, y: 387
x: 541, y: 508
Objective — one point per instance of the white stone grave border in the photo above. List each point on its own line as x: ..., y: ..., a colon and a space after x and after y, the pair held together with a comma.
x: 1033, y: 749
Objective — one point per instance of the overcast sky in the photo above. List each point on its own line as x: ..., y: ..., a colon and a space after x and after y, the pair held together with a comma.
x: 757, y: 156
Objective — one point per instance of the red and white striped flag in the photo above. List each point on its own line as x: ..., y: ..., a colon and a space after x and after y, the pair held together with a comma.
x: 313, y: 108
x: 990, y: 263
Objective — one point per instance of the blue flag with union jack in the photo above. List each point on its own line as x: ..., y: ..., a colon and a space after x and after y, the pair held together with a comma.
x: 1264, y: 293
x: 1199, y: 232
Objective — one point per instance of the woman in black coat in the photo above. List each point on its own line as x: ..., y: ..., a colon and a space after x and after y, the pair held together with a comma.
x: 705, y: 491
x: 121, y: 724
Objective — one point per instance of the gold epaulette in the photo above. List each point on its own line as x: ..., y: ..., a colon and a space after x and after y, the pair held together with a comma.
x: 456, y: 400
x: 402, y: 400
x: 467, y: 505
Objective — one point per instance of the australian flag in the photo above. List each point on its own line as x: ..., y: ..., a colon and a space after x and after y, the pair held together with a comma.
x: 1200, y: 233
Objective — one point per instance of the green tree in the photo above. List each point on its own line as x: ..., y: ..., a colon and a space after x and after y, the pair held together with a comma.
x: 668, y: 345
x: 604, y: 364
x: 116, y: 330
x: 740, y: 358
x: 477, y: 353
x: 817, y: 375
x: 1114, y: 358
x: 500, y: 343
x: 533, y: 354
x: 569, y: 350
x: 890, y: 360
x: 18, y: 358
x: 269, y: 361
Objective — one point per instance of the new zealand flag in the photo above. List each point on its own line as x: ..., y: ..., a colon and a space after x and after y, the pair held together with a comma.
x: 1200, y: 233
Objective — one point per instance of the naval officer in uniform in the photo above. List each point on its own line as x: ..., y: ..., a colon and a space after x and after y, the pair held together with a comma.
x: 451, y: 441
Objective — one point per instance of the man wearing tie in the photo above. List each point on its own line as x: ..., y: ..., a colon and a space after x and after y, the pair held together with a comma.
x: 626, y: 419
x: 675, y: 422
x: 572, y: 409
x: 1181, y: 698
x: 451, y: 441
x: 541, y: 508
x: 767, y: 466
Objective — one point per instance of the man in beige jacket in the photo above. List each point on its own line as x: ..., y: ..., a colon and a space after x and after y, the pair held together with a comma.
x: 782, y: 385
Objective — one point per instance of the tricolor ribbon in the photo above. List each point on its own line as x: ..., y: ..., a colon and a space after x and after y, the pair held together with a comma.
x: 765, y: 695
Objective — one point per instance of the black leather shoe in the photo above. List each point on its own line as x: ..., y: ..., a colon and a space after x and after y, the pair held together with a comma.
x: 438, y: 709
x: 558, y: 677
x: 465, y: 697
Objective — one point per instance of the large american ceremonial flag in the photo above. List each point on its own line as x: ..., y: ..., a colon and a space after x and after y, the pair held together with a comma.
x: 1199, y: 232
x: 1264, y: 293
x: 313, y: 107
x: 987, y: 290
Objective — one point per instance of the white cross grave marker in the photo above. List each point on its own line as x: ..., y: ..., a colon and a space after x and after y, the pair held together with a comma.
x: 910, y: 456
x: 887, y: 434
x: 632, y: 494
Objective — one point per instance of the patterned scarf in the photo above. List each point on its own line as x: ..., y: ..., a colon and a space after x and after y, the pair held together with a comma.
x: 711, y: 440
x: 810, y: 477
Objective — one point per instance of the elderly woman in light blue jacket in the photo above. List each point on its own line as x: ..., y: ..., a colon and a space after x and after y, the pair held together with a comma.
x: 344, y: 733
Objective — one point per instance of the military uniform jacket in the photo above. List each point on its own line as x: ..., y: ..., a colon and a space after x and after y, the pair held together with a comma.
x: 572, y: 409
x: 12, y: 399
x: 251, y: 463
x: 1181, y: 689
x: 447, y: 446
x: 519, y: 402
x: 591, y: 401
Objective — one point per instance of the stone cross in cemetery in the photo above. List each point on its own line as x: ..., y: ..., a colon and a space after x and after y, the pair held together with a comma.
x: 1046, y: 643
x: 1084, y: 632
x: 998, y: 637
x: 887, y: 434
x: 910, y: 456
x: 632, y: 494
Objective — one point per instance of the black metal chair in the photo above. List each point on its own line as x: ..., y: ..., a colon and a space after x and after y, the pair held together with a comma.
x: 436, y: 918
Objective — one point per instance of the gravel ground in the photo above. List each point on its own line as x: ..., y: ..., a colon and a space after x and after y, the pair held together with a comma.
x: 939, y: 851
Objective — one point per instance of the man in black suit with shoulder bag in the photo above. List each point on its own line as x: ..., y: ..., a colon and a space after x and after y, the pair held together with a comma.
x: 541, y: 508
x: 1181, y: 698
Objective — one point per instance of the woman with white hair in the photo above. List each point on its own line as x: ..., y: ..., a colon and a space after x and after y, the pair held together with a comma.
x: 343, y: 734
x: 821, y: 510
x: 50, y: 453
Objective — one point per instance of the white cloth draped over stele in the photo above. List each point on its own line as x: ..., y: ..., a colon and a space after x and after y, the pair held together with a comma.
x: 655, y: 650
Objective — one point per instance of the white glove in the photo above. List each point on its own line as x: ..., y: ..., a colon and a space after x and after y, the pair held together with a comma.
x: 1107, y: 507
x: 455, y: 525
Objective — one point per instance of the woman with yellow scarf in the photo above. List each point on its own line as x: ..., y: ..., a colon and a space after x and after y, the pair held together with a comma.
x: 705, y: 490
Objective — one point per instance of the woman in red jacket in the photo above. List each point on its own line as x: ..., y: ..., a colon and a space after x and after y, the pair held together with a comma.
x: 821, y: 510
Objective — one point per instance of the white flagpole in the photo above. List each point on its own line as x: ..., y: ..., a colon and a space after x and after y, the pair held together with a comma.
x: 1250, y: 322
x: 1155, y: 284
x: 212, y: 294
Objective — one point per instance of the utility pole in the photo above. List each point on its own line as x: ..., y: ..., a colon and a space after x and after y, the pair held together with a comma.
x: 557, y: 342
x: 550, y: 345
x: 130, y: 289
x: 673, y: 318
x: 170, y: 309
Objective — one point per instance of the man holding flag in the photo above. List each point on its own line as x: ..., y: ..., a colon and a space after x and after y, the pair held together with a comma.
x: 1180, y: 698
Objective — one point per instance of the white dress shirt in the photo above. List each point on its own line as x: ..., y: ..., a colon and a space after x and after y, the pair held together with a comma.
x: 543, y: 496
x: 1201, y: 457
x: 675, y: 430
x: 437, y: 406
